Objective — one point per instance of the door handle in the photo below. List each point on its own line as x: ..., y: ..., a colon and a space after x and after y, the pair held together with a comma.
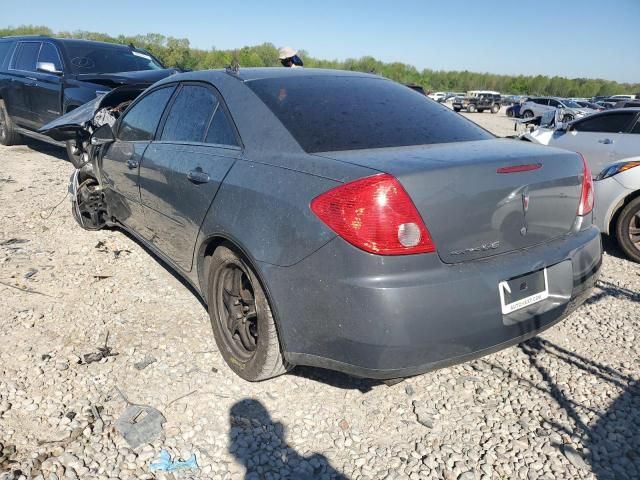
x: 198, y: 176
x: 606, y: 141
x: 132, y: 164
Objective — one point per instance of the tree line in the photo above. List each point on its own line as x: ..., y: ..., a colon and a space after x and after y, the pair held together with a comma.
x: 177, y: 52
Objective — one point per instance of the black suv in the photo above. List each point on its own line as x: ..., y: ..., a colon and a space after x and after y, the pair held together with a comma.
x: 478, y: 101
x: 42, y: 78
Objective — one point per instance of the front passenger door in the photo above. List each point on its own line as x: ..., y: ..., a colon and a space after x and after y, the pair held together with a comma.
x: 183, y: 169
x: 121, y: 160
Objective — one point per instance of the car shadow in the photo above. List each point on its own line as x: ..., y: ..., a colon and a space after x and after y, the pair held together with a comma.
x: 611, y: 442
x: 611, y: 247
x: 45, y: 148
x: 259, y: 443
x: 337, y: 379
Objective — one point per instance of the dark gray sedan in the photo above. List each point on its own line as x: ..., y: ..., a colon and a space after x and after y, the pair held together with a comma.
x: 339, y: 219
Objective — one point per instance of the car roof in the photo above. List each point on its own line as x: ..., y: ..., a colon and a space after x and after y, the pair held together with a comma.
x: 76, y: 41
x: 263, y: 73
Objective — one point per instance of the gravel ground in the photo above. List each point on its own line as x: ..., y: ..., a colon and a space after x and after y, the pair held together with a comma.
x: 564, y: 405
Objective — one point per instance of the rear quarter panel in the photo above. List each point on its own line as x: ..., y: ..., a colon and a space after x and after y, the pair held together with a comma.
x: 264, y: 210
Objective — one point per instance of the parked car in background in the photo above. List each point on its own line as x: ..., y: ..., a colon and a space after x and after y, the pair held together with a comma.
x: 624, y: 97
x: 356, y: 249
x: 610, y: 143
x: 627, y: 104
x: 451, y: 96
x: 438, y: 96
x: 478, y: 101
x: 591, y: 105
x: 42, y: 78
x: 513, y: 110
x: 535, y: 107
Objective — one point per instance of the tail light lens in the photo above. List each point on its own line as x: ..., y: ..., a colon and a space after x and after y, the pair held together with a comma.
x: 376, y: 215
x: 586, y: 199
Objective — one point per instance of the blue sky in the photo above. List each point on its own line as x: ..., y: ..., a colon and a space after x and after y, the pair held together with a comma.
x: 573, y: 38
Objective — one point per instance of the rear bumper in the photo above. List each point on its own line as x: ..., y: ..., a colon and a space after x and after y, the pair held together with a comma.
x: 388, y: 317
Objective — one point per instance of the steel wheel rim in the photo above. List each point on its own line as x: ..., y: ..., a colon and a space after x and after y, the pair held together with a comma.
x: 237, y: 312
x: 634, y: 230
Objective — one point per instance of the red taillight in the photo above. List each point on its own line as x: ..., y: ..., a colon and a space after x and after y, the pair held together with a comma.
x: 375, y: 214
x: 586, y: 199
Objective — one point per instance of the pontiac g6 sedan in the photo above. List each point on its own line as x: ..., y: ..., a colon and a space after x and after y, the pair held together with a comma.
x: 339, y: 219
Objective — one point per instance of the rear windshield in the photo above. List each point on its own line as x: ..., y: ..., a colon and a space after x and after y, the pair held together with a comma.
x: 92, y: 58
x: 327, y: 114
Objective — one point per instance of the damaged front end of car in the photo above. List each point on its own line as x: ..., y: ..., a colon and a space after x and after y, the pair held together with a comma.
x: 90, y: 127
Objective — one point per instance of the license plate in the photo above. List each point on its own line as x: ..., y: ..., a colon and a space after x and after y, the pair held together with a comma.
x: 523, y: 291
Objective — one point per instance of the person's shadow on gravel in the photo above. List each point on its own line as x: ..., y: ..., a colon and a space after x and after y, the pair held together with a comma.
x: 612, y: 443
x: 258, y: 442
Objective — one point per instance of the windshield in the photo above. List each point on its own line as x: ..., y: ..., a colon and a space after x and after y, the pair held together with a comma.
x: 570, y: 104
x: 95, y: 58
x: 329, y: 113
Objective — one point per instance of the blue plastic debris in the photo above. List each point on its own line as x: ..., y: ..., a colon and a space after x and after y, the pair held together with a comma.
x: 165, y: 464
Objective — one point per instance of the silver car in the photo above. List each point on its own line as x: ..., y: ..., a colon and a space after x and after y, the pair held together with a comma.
x: 535, y: 107
x: 610, y: 143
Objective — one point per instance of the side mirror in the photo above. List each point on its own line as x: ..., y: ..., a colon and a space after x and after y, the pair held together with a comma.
x: 103, y: 135
x: 48, y: 67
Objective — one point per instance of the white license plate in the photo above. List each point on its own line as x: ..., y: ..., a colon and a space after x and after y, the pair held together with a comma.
x: 523, y: 291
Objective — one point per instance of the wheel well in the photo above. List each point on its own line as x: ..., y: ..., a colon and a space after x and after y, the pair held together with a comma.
x: 207, y: 249
x: 614, y: 218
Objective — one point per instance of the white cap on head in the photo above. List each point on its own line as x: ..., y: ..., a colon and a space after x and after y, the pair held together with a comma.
x: 286, y: 52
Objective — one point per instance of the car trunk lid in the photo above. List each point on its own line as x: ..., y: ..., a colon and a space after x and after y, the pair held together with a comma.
x: 484, y: 198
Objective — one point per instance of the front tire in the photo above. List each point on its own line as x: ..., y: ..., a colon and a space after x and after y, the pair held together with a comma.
x: 241, y: 317
x: 471, y: 108
x: 89, y: 208
x: 496, y: 108
x: 73, y: 153
x: 628, y: 230
x: 567, y: 118
x: 8, y: 134
x: 527, y: 114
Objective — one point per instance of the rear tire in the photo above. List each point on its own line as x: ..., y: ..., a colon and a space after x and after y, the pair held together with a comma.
x: 471, y: 108
x: 241, y: 317
x: 8, y: 134
x: 628, y: 230
x: 527, y: 114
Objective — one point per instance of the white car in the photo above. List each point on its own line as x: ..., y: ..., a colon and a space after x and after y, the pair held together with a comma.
x: 610, y: 143
x: 438, y: 96
x: 535, y: 107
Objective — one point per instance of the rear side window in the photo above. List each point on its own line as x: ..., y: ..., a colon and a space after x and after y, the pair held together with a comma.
x: 140, y: 123
x: 49, y: 54
x: 4, y: 50
x: 610, y: 123
x: 327, y: 113
x: 27, y: 56
x: 220, y: 131
x: 190, y: 115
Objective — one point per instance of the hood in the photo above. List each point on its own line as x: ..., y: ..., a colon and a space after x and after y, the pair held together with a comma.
x: 78, y: 121
x: 114, y: 80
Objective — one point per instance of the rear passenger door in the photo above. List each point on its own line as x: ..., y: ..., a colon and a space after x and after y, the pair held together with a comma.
x: 22, y: 70
x: 628, y: 144
x: 183, y: 169
x: 595, y: 137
